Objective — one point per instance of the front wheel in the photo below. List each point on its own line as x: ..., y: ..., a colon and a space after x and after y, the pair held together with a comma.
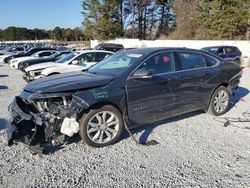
x: 220, y: 101
x: 101, y: 126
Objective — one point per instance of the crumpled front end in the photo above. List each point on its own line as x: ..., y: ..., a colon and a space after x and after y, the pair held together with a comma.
x: 45, y: 121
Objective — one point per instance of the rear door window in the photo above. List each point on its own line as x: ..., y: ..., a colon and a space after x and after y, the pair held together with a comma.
x: 229, y: 50
x: 101, y: 55
x: 190, y: 60
x: 42, y: 54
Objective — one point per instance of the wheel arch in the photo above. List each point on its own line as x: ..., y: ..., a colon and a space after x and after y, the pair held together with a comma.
x: 98, y: 105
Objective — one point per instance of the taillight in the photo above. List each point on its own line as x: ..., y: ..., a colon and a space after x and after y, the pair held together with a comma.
x: 241, y: 70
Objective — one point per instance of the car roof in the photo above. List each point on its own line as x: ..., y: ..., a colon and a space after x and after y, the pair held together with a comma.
x: 154, y: 50
x: 219, y: 46
x: 87, y: 51
x: 109, y: 44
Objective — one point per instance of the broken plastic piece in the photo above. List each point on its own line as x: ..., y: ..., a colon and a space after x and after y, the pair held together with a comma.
x: 69, y: 126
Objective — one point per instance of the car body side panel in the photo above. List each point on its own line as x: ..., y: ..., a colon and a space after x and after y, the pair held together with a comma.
x: 150, y: 99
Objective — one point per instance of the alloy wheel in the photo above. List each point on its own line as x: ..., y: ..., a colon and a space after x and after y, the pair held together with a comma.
x: 102, y: 127
x: 221, y: 101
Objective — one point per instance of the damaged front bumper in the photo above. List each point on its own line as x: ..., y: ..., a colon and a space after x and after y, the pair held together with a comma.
x: 28, y: 77
x: 39, y: 126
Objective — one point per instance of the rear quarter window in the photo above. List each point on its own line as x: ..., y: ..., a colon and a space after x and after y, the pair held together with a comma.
x: 211, y: 61
x: 190, y: 60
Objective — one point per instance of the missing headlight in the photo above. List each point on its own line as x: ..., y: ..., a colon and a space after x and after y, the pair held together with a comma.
x: 44, y: 121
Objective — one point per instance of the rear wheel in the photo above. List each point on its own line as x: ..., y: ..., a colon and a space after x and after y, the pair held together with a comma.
x: 219, y: 102
x: 102, y: 126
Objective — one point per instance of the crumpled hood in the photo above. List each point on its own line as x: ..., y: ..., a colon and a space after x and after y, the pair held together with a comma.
x: 68, y: 82
x: 41, y: 66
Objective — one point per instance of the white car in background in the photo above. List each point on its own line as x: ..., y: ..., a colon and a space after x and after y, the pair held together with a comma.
x: 11, y: 51
x: 75, y: 61
x: 14, y: 63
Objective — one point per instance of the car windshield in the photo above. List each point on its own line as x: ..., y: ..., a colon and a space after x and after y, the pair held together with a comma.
x: 211, y: 49
x: 66, y: 58
x: 115, y: 64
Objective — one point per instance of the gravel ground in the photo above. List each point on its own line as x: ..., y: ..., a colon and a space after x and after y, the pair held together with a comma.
x: 194, y: 150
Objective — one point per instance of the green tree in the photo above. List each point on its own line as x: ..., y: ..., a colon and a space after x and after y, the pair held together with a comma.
x: 1, y: 34
x: 101, y: 19
x: 10, y: 33
x: 222, y: 19
x: 57, y: 33
x: 78, y: 34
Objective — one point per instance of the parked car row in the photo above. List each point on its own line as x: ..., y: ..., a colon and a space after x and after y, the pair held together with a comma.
x: 75, y: 61
x: 43, y: 61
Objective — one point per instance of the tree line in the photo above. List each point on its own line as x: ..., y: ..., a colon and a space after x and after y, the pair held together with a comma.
x: 59, y: 34
x: 172, y: 19
x: 150, y: 19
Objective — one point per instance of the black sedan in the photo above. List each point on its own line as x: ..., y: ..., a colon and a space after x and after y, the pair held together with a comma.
x: 134, y: 87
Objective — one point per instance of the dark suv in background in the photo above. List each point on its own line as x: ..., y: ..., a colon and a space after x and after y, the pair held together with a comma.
x: 229, y: 53
x: 109, y: 47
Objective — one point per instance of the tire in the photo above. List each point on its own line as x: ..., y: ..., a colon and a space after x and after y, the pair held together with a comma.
x: 222, y: 95
x: 101, y: 134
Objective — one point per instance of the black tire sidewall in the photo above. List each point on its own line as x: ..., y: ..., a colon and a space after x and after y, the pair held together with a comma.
x: 86, y: 117
x: 211, y: 106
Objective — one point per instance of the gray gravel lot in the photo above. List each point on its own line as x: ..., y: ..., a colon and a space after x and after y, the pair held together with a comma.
x: 194, y: 150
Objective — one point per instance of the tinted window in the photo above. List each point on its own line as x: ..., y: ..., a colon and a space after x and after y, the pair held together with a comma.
x: 19, y: 49
x: 101, y: 55
x: 190, y: 60
x: 230, y: 50
x: 210, y: 50
x: 85, y: 58
x: 159, y: 63
x: 45, y: 54
x: 211, y: 61
x: 60, y: 56
x: 66, y: 58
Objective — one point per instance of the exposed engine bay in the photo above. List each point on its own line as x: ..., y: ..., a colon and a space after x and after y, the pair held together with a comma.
x: 44, y: 121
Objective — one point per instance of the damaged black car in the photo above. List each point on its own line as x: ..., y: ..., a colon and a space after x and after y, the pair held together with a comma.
x: 129, y: 89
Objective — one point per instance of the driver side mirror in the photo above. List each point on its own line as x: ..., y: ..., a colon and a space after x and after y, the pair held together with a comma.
x: 142, y: 73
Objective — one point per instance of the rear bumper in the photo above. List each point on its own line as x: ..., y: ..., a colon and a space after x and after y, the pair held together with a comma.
x: 234, y: 83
